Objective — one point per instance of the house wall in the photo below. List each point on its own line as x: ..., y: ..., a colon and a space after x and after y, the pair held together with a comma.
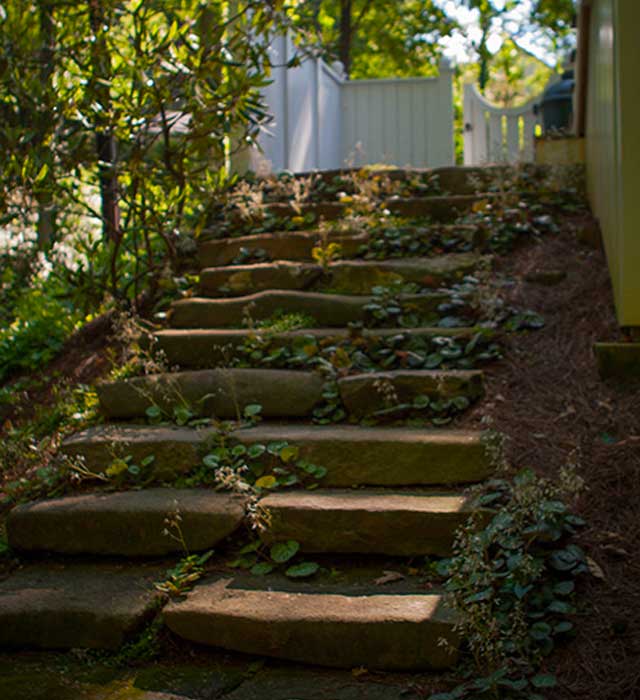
x: 613, y: 144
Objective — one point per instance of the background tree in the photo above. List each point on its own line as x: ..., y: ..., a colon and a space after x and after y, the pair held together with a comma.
x: 554, y: 19
x: 376, y: 38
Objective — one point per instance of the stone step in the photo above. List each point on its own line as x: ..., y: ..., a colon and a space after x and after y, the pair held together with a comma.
x: 76, y: 606
x: 365, y: 521
x: 365, y: 395
x: 456, y: 179
x: 130, y: 523
x: 220, y: 393
x: 442, y: 209
x: 382, y: 632
x: 203, y: 348
x: 282, y: 245
x: 342, y: 277
x: 223, y: 393
x: 352, y: 455
x: 299, y: 245
x: 330, y: 310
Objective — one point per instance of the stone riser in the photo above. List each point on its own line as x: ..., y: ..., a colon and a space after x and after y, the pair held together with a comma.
x: 441, y: 209
x: 353, y: 456
x: 299, y: 245
x: 130, y: 523
x: 195, y: 348
x: 295, y: 245
x: 327, y: 310
x: 365, y: 522
x: 343, y: 277
x: 223, y: 393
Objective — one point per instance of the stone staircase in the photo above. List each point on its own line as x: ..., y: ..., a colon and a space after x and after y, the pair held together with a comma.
x: 389, y: 490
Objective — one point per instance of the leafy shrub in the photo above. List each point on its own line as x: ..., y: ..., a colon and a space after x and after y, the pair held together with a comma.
x: 511, y: 582
x: 41, y: 326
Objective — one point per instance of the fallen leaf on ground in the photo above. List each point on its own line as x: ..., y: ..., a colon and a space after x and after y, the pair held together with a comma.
x: 389, y: 577
x: 595, y: 569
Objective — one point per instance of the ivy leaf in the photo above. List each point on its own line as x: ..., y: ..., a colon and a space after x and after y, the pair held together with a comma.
x: 281, y: 552
x: 288, y: 453
x: 252, y: 410
x: 544, y: 680
x: 153, y: 413
x: 266, y: 482
x: 182, y: 415
x: 262, y: 569
x: 421, y: 402
x: 303, y: 570
x: 564, y: 588
x: 211, y: 460
x: 256, y: 451
x: 559, y: 606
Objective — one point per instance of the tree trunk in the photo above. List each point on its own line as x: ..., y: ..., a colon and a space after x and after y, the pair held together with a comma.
x: 44, y: 192
x: 346, y: 34
x: 106, y: 145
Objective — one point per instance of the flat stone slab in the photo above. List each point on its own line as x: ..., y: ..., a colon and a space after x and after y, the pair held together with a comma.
x: 130, y: 523
x: 352, y: 455
x: 343, y: 276
x: 618, y: 360
x: 365, y: 522
x: 191, y: 348
x: 75, y: 606
x: 365, y: 394
x: 386, y: 632
x: 327, y: 310
x: 174, y: 450
x: 222, y: 393
x: 286, y: 245
x: 444, y: 208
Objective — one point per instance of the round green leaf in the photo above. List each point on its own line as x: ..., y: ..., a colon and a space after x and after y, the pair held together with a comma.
x: 281, y: 552
x: 544, y: 680
x: 303, y: 570
x: 211, y: 460
x: 253, y: 409
x: 288, y: 453
x: 262, y: 569
x: 256, y: 451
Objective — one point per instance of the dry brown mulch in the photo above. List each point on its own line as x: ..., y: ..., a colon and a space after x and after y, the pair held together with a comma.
x: 548, y: 398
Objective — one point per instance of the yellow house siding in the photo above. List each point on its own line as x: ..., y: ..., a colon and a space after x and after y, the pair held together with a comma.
x: 613, y: 144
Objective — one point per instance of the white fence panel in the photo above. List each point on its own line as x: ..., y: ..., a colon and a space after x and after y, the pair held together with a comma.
x: 272, y: 139
x: 330, y: 118
x: 399, y: 122
x: 497, y: 135
x: 320, y: 121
